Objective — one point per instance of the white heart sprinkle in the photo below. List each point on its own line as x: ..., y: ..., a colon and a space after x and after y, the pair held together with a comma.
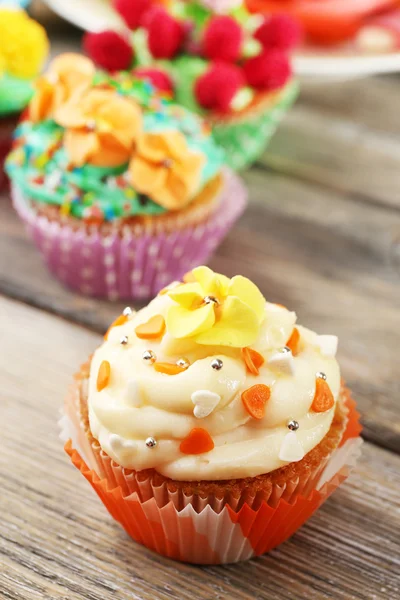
x: 205, y: 402
x: 118, y: 443
x: 291, y: 449
x: 283, y: 361
x: 132, y: 393
x: 328, y: 345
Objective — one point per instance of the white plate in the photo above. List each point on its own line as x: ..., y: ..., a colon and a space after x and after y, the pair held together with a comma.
x: 314, y: 65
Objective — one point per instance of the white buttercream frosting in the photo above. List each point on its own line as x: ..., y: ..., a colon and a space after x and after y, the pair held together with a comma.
x: 139, y: 402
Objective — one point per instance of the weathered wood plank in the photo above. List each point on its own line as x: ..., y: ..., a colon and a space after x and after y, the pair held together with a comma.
x: 338, y: 151
x: 329, y: 257
x: 58, y: 543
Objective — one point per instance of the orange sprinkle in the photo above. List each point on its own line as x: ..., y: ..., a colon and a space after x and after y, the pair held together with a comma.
x: 253, y: 359
x: 323, y: 397
x: 293, y: 341
x: 118, y: 321
x: 188, y: 277
x: 197, y: 442
x: 168, y: 368
x: 153, y: 329
x: 255, y: 399
x: 163, y: 291
x: 280, y: 305
x: 103, y: 376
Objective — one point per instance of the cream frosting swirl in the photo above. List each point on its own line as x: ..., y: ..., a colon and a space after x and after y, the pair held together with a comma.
x: 139, y: 402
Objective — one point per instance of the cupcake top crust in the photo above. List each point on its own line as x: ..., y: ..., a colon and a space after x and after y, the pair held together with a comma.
x: 23, y: 49
x: 103, y: 147
x: 211, y: 382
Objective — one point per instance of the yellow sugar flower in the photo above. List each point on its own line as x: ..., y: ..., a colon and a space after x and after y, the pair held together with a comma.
x: 23, y: 43
x: 214, y: 310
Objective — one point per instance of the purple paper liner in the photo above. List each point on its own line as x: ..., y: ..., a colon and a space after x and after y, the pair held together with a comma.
x: 134, y: 264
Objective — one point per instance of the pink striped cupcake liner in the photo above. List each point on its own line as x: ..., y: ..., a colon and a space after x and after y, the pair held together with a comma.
x: 137, y: 263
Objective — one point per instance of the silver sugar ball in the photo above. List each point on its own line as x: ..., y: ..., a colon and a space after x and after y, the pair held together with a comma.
x: 183, y: 362
x: 293, y: 425
x: 320, y: 375
x: 149, y: 357
x: 91, y: 125
x: 127, y: 311
x: 217, y: 364
x: 285, y: 350
x: 124, y: 340
x: 167, y: 163
x: 211, y: 299
x: 151, y: 442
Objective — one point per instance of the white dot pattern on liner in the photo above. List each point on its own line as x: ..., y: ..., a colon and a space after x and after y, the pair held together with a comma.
x: 177, y: 252
x: 113, y: 296
x: 86, y: 251
x: 86, y: 288
x: 153, y: 249
x: 109, y: 260
x: 136, y: 276
x: 65, y: 245
x: 87, y: 273
x: 111, y: 278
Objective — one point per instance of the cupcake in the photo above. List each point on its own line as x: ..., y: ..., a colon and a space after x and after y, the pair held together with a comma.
x: 23, y: 50
x: 121, y: 189
x: 210, y: 423
x: 329, y: 22
x: 217, y: 60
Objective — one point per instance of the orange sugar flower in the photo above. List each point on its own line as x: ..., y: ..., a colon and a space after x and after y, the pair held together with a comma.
x: 165, y: 169
x: 101, y: 129
x: 68, y: 77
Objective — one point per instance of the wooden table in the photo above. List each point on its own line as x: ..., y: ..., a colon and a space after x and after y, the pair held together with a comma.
x: 322, y: 235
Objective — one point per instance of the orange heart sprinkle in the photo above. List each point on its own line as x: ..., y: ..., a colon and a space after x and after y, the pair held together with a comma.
x: 323, y: 397
x: 293, y: 341
x: 197, y: 442
x: 153, y: 329
x: 103, y: 376
x: 255, y: 399
x: 168, y: 368
x: 118, y: 321
x: 253, y: 359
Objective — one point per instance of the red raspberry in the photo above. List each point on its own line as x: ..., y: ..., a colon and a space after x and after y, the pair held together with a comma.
x: 109, y: 50
x: 216, y: 88
x: 165, y: 34
x: 280, y: 32
x: 132, y: 11
x: 223, y: 39
x: 268, y: 71
x: 158, y: 78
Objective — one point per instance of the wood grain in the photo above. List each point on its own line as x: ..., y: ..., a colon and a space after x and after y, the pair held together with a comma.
x: 328, y: 256
x: 58, y: 543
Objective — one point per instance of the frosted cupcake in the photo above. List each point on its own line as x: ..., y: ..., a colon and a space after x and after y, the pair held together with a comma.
x: 121, y: 189
x: 210, y: 423
x: 216, y: 59
x: 23, y: 50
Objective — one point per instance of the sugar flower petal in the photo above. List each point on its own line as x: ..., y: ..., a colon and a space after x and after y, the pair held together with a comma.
x: 237, y: 327
x: 247, y: 291
x: 187, y: 295
x: 182, y: 322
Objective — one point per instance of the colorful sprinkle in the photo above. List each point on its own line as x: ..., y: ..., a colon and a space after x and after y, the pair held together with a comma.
x: 103, y: 376
x: 197, y: 442
x: 118, y: 321
x: 253, y: 360
x: 168, y: 368
x: 293, y: 341
x: 255, y: 400
x: 152, y: 329
x: 323, y: 397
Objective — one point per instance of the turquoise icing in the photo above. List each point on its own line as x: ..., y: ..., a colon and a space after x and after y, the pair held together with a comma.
x: 39, y: 163
x: 15, y: 94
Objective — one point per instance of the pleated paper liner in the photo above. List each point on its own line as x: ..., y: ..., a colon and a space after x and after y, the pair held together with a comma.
x: 204, y: 530
x: 133, y: 262
x: 245, y: 137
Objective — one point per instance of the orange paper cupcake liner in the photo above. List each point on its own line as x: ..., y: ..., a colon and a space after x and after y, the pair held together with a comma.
x: 205, y: 530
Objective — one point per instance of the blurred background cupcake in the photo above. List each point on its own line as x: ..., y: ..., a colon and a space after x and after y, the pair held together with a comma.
x: 23, y: 49
x: 215, y: 58
x: 121, y: 189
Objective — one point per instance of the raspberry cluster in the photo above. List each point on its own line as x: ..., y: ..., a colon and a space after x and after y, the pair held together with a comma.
x: 222, y: 42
